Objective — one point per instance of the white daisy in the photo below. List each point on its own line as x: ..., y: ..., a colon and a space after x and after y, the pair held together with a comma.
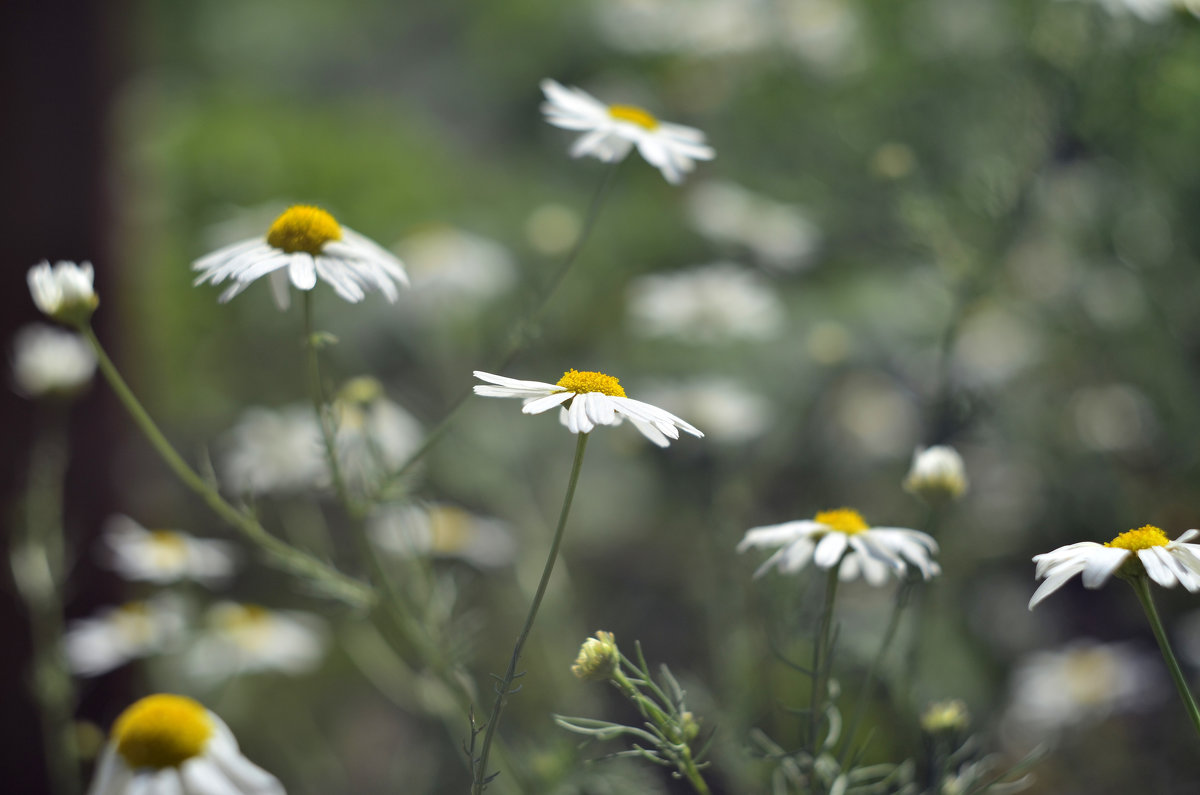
x: 171, y: 745
x: 274, y: 451
x: 843, y: 537
x: 610, y: 131
x: 374, y: 435
x: 117, y: 635
x: 1145, y: 550
x: 454, y: 270
x: 246, y: 638
x: 64, y: 292
x: 937, y: 472
x: 780, y: 235
x: 165, y: 556
x: 1085, y: 681
x: 709, y: 304
x: 304, y: 244
x: 587, y: 399
x: 445, y: 531
x: 49, y: 361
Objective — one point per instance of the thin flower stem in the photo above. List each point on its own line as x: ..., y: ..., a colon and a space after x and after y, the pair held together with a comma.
x: 523, y: 332
x: 1141, y: 586
x: 889, y: 635
x: 668, y: 728
x: 280, y: 553
x: 323, y: 408
x: 479, y: 773
x: 38, y: 572
x: 821, y: 644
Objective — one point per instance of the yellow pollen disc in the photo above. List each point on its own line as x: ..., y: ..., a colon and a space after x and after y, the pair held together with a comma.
x: 162, y: 731
x: 844, y: 520
x: 587, y: 381
x: 303, y: 228
x: 633, y: 115
x: 1144, y: 537
x: 450, y: 527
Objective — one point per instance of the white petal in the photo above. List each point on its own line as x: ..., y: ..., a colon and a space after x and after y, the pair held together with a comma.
x: 545, y: 403
x: 279, y: 290
x: 797, y: 555
x: 1100, y: 564
x: 1156, y: 567
x: 1056, y: 580
x: 775, y: 534
x: 830, y: 549
x: 577, y: 418
x: 302, y: 271
x: 112, y: 775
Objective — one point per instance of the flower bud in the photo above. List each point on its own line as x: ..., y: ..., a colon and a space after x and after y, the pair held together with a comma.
x: 598, y: 658
x: 945, y: 717
x: 937, y: 474
x: 64, y: 292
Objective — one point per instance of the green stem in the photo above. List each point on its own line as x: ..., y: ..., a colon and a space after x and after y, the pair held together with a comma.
x: 322, y: 407
x: 38, y: 572
x: 480, y: 774
x: 1141, y: 586
x: 283, y: 555
x: 821, y: 644
x: 524, y: 330
x: 669, y: 728
x: 888, y: 636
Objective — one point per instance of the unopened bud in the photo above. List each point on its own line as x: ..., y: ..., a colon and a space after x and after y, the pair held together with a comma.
x: 598, y: 658
x: 937, y: 474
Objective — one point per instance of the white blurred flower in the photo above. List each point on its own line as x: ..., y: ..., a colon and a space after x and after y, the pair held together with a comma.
x: 171, y: 745
x: 64, y: 292
x: 843, y: 536
x: 587, y: 399
x: 827, y: 34
x: 1085, y: 681
x: 305, y: 244
x: 245, y: 638
x: 443, y: 531
x: 780, y: 235
x: 116, y: 635
x: 1145, y: 10
x: 994, y: 346
x: 610, y: 131
x: 708, y: 304
x: 374, y: 435
x: 455, y: 269
x: 274, y: 451
x: 937, y: 473
x: 166, y: 556
x: 729, y: 412
x: 714, y: 27
x: 1113, y: 417
x: 1146, y: 549
x: 48, y: 361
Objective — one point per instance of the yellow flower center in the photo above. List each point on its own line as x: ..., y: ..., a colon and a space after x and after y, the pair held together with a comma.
x: 303, y: 228
x: 633, y: 115
x: 168, y: 550
x: 844, y: 520
x: 245, y: 625
x: 586, y: 381
x: 162, y: 731
x: 1144, y: 537
x: 450, y: 528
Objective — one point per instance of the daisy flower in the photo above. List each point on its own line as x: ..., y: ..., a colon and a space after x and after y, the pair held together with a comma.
x: 843, y: 537
x: 304, y: 244
x: 1146, y: 549
x: 51, y: 362
x: 247, y: 638
x: 587, y: 399
x: 937, y: 472
x: 443, y: 531
x: 165, y: 556
x: 64, y: 292
x: 610, y: 131
x: 117, y: 635
x: 273, y: 451
x: 710, y: 304
x: 374, y: 435
x: 171, y: 745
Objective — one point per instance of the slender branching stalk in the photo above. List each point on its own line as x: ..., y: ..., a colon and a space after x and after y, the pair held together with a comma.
x: 1141, y: 586
x: 480, y: 776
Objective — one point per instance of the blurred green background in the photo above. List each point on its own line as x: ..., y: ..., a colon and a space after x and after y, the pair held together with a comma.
x: 983, y: 242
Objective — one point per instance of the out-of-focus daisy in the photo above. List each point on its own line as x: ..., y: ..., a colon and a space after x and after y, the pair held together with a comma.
x: 452, y: 269
x: 274, y: 451
x: 729, y: 412
x: 715, y: 27
x: 1085, y: 681
x: 64, y: 292
x: 779, y: 235
x: 51, y: 362
x: 443, y: 531
x: 842, y: 535
x: 587, y: 399
x: 165, y: 556
x: 171, y: 745
x: 1146, y: 550
x: 937, y: 473
x: 374, y: 435
x: 116, y: 635
x: 712, y: 303
x: 245, y: 638
x: 305, y: 244
x: 610, y: 131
